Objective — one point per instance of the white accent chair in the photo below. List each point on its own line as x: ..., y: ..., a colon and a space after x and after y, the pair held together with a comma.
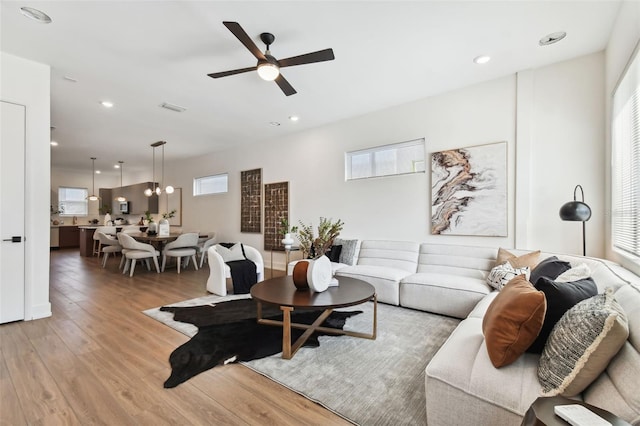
x: 220, y: 271
x: 134, y: 250
x: 108, y: 245
x: 186, y: 245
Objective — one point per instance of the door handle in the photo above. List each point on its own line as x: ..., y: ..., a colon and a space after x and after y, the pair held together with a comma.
x: 14, y: 239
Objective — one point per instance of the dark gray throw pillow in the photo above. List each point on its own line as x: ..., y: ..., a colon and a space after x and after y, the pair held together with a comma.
x: 334, y: 253
x: 551, y: 268
x: 560, y: 298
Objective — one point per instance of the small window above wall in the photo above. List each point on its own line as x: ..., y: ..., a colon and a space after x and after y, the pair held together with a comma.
x: 386, y: 160
x: 216, y: 184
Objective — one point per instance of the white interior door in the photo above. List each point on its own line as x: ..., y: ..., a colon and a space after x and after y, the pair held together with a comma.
x: 12, y: 180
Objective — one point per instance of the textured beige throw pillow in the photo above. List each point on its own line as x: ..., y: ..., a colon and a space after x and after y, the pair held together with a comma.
x: 528, y: 259
x: 581, y: 345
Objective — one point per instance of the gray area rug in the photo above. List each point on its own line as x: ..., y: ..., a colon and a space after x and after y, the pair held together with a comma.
x: 369, y: 382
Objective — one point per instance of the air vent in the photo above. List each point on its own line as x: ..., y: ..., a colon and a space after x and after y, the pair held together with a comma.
x: 552, y: 38
x: 172, y: 107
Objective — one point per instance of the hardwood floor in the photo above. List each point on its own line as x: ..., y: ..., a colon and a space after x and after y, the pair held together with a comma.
x: 99, y: 360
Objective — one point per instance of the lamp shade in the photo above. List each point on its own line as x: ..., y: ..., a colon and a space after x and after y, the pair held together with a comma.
x: 576, y: 211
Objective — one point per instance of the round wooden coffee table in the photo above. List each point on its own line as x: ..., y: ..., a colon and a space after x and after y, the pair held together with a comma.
x: 282, y: 292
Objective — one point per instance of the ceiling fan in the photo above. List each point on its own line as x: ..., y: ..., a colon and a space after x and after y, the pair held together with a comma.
x: 268, y: 67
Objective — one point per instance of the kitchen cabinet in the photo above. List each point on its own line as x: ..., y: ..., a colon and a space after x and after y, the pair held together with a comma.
x: 54, y: 238
x: 138, y: 202
x: 86, y: 241
x: 69, y: 236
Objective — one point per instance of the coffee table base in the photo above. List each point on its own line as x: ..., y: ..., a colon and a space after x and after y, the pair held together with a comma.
x: 289, y: 350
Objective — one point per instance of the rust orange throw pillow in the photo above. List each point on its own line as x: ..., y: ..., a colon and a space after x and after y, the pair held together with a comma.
x: 513, y: 320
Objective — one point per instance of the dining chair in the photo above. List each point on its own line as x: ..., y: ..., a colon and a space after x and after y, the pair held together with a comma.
x: 186, y: 245
x: 204, y: 246
x: 108, y: 245
x: 134, y: 250
x: 96, y: 241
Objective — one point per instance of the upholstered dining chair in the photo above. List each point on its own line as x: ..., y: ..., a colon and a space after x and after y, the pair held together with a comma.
x: 108, y: 245
x: 97, y: 246
x: 203, y: 246
x: 186, y: 245
x: 133, y: 250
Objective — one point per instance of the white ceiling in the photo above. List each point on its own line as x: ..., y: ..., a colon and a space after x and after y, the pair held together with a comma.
x: 139, y: 54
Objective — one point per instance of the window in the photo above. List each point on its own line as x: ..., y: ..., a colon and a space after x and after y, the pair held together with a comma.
x: 625, y: 136
x: 216, y: 184
x: 387, y: 160
x: 73, y: 201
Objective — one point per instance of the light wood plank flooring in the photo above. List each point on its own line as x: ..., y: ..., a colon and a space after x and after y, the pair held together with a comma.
x: 99, y: 360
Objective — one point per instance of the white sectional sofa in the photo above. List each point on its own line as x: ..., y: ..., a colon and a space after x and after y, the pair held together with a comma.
x: 451, y: 280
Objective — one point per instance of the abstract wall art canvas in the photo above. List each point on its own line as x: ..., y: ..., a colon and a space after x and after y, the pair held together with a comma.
x: 469, y: 191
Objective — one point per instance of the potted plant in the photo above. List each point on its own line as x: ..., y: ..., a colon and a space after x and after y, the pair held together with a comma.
x: 285, y: 231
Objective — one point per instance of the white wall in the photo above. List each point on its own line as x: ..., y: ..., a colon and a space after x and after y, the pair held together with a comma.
x: 565, y: 134
x: 27, y: 83
x: 624, y: 38
x: 565, y: 148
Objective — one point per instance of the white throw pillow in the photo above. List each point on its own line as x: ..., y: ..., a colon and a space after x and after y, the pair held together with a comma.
x: 232, y: 254
x: 577, y: 273
x: 502, y: 274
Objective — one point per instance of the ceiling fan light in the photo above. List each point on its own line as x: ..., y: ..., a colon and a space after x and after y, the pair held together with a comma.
x: 169, y: 189
x: 268, y: 71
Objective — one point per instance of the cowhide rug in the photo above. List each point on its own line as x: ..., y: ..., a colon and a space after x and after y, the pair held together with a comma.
x: 228, y: 332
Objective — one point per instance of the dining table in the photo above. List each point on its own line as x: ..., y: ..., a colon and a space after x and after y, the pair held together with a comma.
x: 155, y: 240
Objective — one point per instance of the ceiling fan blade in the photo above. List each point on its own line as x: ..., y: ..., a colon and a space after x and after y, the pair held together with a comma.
x: 232, y: 72
x: 285, y: 86
x: 308, y: 58
x: 244, y: 38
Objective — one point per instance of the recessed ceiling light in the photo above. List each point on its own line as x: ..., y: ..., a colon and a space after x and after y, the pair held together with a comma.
x: 35, y: 14
x: 116, y: 166
x: 482, y: 59
x: 98, y: 172
x: 106, y: 104
x: 71, y: 79
x: 54, y: 143
x: 274, y: 123
x: 552, y: 38
x: 294, y: 118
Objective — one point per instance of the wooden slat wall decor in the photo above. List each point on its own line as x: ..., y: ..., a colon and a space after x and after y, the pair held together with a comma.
x: 276, y: 208
x: 251, y: 200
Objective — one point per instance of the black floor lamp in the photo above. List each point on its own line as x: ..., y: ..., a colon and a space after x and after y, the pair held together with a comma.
x: 577, y: 211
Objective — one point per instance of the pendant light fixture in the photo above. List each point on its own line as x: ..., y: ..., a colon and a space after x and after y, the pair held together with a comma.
x: 158, y: 189
x: 121, y: 198
x: 93, y: 197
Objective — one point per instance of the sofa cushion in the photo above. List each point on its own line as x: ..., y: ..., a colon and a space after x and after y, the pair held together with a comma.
x: 550, y: 267
x: 500, y: 275
x: 560, y: 298
x: 513, y: 320
x: 618, y: 388
x: 463, y: 364
x: 393, y: 254
x: 582, y: 344
x: 386, y: 280
x: 444, y: 294
x: 526, y: 259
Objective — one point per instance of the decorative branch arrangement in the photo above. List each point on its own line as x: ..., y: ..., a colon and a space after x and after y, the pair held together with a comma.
x: 312, y: 246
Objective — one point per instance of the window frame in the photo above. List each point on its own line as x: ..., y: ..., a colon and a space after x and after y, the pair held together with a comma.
x: 395, y: 147
x: 202, y: 194
x: 84, y: 201
x: 626, y: 94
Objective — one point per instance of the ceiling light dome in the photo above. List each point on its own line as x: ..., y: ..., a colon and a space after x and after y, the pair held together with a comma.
x: 268, y: 71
